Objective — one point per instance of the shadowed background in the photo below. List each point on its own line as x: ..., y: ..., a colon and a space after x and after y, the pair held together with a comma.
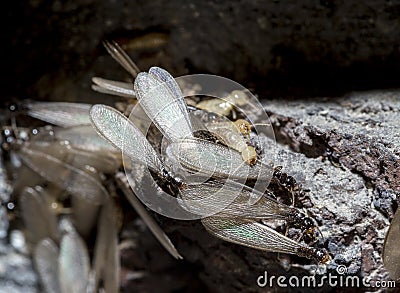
x: 285, y: 48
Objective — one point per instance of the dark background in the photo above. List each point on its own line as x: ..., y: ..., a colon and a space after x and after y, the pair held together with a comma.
x: 279, y: 48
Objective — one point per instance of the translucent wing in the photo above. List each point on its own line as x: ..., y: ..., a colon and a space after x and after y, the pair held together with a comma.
x: 60, y: 114
x: 214, y: 160
x: 391, y: 252
x: 45, y: 257
x: 73, y: 180
x: 106, y: 254
x: 121, y: 57
x: 202, y: 199
x: 78, y: 158
x: 86, y: 138
x: 251, y: 234
x: 123, y: 134
x: 112, y: 87
x: 39, y: 220
x: 73, y: 264
x: 162, y: 107
x: 148, y: 220
x: 171, y: 83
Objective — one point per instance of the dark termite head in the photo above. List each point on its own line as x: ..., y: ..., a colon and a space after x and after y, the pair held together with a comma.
x: 307, y: 226
x: 167, y: 181
x: 301, y: 221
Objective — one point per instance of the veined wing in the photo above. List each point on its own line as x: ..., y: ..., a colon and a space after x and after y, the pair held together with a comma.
x: 78, y: 158
x: 60, y: 114
x: 161, y: 106
x: 251, y: 234
x: 202, y: 199
x: 173, y: 86
x: 123, y: 134
x: 86, y: 138
x: 73, y: 180
x: 112, y: 87
x: 215, y: 160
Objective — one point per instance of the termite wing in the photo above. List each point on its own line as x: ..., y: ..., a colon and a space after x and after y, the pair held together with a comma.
x: 391, y: 252
x: 224, y: 131
x: 58, y: 113
x: 122, y: 89
x: 63, y: 164
x: 64, y: 268
x: 64, y: 170
x: 161, y: 98
x: 168, y: 111
x: 198, y: 155
x: 106, y: 260
x: 113, y: 125
x: 121, y: 133
x: 39, y: 218
x: 56, y: 265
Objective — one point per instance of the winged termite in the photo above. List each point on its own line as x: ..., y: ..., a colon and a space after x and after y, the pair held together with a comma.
x: 87, y: 192
x: 45, y: 257
x: 230, y: 134
x: 224, y: 106
x: 39, y: 218
x: 79, y: 146
x: 127, y: 137
x: 149, y: 84
x: 160, y: 97
x: 253, y: 234
x: 59, y: 113
x: 140, y: 150
x: 75, y: 181
x: 224, y: 132
x: 168, y: 111
x: 73, y: 263
x: 265, y: 208
x: 391, y: 253
x: 81, y: 159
